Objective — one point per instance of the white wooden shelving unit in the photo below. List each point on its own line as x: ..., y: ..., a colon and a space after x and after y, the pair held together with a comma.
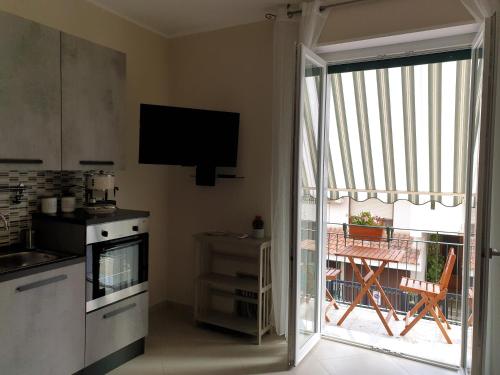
x: 233, y: 283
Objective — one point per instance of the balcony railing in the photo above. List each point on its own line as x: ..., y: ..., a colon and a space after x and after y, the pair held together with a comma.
x: 345, y: 292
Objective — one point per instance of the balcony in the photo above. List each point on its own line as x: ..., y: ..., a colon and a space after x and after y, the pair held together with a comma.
x: 424, y: 257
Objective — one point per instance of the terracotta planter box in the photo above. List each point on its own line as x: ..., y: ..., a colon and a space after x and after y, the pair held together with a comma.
x: 365, y: 233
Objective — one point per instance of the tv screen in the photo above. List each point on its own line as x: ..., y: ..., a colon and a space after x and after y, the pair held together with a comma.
x: 185, y: 136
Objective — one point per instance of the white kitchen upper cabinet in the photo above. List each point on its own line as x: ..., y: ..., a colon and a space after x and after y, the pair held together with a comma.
x: 93, y: 95
x: 30, y: 95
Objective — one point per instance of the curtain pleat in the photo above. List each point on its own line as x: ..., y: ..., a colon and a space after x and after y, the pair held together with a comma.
x: 343, y: 133
x: 435, y: 130
x: 364, y: 132
x: 461, y: 120
x: 384, y: 102
x: 408, y: 89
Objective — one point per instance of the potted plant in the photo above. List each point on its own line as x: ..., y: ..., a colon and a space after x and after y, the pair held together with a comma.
x: 370, y: 227
x: 435, y: 260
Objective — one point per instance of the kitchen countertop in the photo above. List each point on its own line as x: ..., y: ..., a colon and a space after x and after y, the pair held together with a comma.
x: 80, y: 216
x: 64, y: 259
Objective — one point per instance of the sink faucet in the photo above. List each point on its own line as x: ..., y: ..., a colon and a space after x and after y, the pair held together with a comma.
x: 5, y: 222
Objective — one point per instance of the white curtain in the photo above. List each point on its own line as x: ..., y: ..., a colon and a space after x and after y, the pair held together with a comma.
x: 480, y: 9
x: 286, y: 37
x: 312, y: 22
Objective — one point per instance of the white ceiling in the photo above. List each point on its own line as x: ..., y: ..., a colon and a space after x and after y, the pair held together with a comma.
x: 182, y: 17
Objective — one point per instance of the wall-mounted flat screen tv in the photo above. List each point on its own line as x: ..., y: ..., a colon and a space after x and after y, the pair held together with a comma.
x: 186, y: 136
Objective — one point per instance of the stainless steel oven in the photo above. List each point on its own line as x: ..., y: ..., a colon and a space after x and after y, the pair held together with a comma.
x: 117, y: 261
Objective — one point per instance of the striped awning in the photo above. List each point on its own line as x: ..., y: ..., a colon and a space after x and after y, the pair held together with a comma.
x: 394, y: 132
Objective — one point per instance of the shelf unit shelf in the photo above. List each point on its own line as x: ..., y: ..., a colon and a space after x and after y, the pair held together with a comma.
x: 236, y: 297
x: 238, y: 273
x: 246, y: 284
x: 240, y: 258
x: 229, y: 321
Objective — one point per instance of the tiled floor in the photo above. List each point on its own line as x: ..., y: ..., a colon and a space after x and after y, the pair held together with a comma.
x: 331, y: 358
x: 176, y: 346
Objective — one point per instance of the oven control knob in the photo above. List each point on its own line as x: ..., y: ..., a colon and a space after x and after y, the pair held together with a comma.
x: 104, y: 233
x: 135, y: 228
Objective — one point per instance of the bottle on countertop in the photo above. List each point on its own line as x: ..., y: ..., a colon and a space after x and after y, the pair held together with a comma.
x: 258, y: 227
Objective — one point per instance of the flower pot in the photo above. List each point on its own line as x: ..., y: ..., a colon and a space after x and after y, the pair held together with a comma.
x: 366, y: 233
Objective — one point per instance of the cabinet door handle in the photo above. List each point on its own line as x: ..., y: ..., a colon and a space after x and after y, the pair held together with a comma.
x: 21, y: 161
x: 119, y: 311
x: 38, y: 284
x: 97, y: 162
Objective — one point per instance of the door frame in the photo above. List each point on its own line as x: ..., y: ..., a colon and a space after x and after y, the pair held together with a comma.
x: 355, y: 53
x: 430, y: 41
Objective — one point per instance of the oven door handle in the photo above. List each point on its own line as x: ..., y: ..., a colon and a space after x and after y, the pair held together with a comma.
x: 127, y: 244
x: 119, y: 311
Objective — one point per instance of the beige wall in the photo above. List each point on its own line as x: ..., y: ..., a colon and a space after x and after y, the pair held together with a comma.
x: 228, y: 70
x: 141, y: 187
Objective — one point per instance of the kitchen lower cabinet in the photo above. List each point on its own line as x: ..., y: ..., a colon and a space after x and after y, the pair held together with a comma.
x: 115, y: 326
x: 30, y: 95
x: 93, y: 94
x: 42, y: 322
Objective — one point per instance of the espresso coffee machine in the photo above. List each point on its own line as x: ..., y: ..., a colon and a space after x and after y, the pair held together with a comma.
x: 98, y: 189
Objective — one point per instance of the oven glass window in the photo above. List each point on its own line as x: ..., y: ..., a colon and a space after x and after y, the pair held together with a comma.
x: 119, y: 268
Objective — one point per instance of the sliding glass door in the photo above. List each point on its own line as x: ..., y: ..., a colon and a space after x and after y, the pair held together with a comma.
x: 308, y: 203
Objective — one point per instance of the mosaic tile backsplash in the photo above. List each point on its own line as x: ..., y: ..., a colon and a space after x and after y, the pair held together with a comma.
x: 37, y: 184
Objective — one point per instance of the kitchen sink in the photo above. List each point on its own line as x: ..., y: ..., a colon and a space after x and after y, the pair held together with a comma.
x: 24, y: 259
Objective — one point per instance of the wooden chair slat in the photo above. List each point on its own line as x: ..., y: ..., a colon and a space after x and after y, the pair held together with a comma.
x: 331, y: 274
x: 448, y: 269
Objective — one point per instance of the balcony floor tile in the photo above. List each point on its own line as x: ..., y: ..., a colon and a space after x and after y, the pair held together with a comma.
x: 423, y: 341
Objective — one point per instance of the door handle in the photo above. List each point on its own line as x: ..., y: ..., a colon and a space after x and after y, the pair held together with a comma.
x: 97, y: 162
x: 494, y: 252
x: 119, y: 311
x: 21, y: 161
x: 38, y: 284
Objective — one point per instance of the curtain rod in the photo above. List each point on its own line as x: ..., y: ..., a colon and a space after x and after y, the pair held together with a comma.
x: 271, y: 16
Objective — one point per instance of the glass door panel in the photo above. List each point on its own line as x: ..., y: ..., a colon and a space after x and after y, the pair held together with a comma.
x: 471, y: 209
x: 308, y: 201
x: 115, y: 269
x: 479, y: 200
